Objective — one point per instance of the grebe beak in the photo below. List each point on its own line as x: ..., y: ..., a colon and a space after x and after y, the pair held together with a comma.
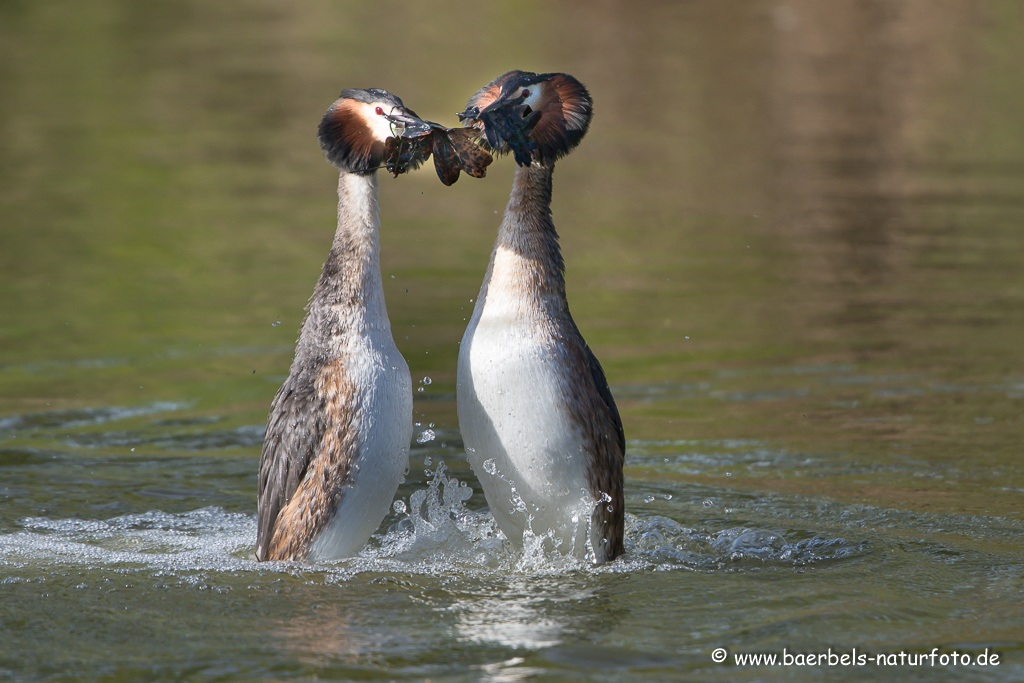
x: 507, y: 121
x: 408, y: 125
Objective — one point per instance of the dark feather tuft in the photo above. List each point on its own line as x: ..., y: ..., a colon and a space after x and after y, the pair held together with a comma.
x: 347, y: 142
x: 346, y: 137
x: 565, y: 117
x: 557, y: 123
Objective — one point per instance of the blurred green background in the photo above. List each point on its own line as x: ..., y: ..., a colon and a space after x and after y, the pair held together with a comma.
x: 766, y: 186
x: 793, y: 236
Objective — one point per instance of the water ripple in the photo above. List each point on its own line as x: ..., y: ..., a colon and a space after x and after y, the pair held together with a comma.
x: 81, y: 417
x: 435, y: 534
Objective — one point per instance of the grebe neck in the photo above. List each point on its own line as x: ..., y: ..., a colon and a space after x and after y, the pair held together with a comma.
x: 527, y: 260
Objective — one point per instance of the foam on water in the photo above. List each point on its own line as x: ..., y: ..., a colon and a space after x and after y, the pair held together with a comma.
x: 205, y: 539
x: 434, y: 534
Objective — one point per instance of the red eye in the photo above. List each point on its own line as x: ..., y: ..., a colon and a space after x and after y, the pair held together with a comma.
x: 526, y: 92
x: 380, y: 112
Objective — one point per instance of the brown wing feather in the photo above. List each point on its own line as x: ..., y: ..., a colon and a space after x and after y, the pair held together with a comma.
x: 295, y: 430
x: 597, y: 372
x: 609, y: 455
x: 307, y: 460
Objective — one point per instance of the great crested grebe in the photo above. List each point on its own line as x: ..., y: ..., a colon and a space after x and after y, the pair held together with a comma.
x: 539, y: 423
x: 338, y: 436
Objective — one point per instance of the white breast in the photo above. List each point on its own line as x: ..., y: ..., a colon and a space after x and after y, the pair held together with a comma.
x: 383, y: 420
x: 513, y: 404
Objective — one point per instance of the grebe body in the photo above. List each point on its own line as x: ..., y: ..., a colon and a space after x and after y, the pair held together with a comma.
x: 540, y: 425
x: 339, y: 431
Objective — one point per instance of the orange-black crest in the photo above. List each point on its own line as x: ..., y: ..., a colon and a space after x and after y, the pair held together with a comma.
x: 353, y: 131
x: 538, y: 117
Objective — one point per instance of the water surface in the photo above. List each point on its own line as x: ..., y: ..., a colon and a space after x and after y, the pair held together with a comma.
x: 792, y: 237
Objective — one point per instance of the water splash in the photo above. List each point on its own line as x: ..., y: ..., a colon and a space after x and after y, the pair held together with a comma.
x: 437, y: 527
x: 435, y: 533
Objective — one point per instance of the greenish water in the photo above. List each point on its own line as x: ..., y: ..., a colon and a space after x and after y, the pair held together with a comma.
x: 793, y: 238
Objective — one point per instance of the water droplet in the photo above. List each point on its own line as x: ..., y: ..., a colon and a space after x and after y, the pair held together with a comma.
x: 648, y: 499
x: 667, y: 496
x: 426, y: 381
x: 427, y: 461
x: 420, y: 389
x: 708, y: 503
x: 490, y: 467
x: 399, y: 506
x: 425, y: 436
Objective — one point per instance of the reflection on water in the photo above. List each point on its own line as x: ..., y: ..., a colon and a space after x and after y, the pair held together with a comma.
x: 792, y: 235
x: 516, y: 618
x: 328, y: 631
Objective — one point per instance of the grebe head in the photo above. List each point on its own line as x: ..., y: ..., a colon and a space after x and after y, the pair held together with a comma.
x: 539, y: 117
x: 355, y: 128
